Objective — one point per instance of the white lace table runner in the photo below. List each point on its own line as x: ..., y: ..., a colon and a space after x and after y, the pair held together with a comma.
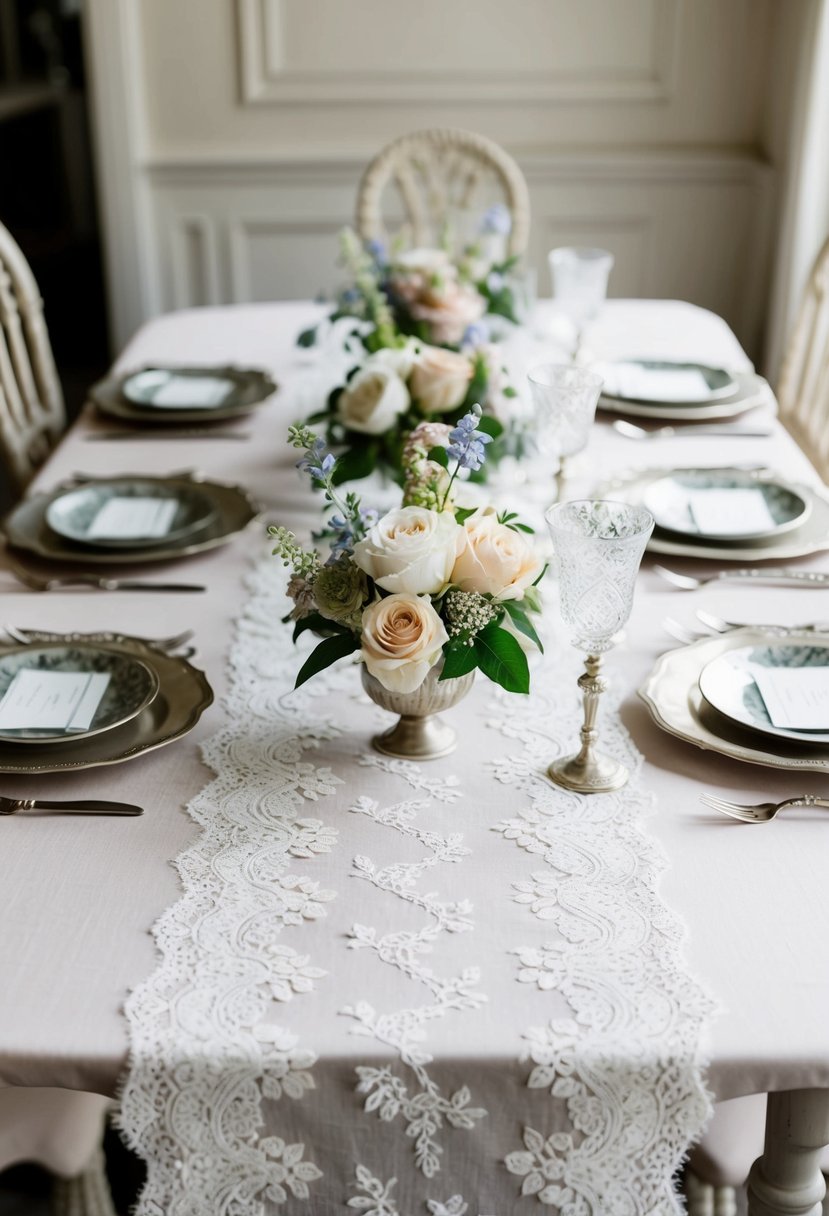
x: 397, y: 989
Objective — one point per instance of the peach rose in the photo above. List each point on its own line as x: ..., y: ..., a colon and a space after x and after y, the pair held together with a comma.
x: 440, y: 379
x: 403, y: 638
x: 448, y: 309
x: 495, y: 560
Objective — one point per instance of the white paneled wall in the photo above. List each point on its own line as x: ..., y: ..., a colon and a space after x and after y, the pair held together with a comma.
x: 637, y: 122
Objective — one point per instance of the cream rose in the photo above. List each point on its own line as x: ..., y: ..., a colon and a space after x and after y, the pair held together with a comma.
x: 373, y: 398
x: 440, y: 379
x: 399, y: 359
x: 411, y: 549
x: 403, y: 638
x: 425, y: 261
x: 495, y: 560
x: 448, y: 310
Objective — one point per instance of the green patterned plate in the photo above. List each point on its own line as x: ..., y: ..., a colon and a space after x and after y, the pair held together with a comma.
x: 670, y: 501
x: 72, y: 514
x: 727, y: 683
x: 131, y: 688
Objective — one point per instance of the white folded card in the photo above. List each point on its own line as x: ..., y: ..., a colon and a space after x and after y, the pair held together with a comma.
x: 796, y: 698
x: 133, y: 518
x: 52, y: 700
x: 726, y: 512
x: 204, y: 391
x: 657, y: 384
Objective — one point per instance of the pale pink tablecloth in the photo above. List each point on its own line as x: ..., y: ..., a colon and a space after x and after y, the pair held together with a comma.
x: 79, y: 895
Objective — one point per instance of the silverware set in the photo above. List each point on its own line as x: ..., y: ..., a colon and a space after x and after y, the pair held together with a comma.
x: 630, y: 430
x: 188, y: 433
x: 784, y: 576
x: 760, y: 812
x: 78, y: 806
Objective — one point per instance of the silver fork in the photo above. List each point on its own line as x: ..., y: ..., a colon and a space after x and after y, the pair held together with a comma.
x: 680, y: 632
x: 26, y: 636
x: 761, y: 812
x: 78, y: 806
x: 781, y: 577
x: 631, y: 431
x: 720, y: 625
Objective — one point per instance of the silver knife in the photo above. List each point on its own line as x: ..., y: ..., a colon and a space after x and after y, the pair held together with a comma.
x: 783, y: 577
x: 106, y: 435
x: 11, y: 806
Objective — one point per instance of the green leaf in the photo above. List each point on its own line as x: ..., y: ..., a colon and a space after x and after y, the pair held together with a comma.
x: 520, y: 619
x: 476, y: 393
x: 439, y: 456
x: 509, y: 391
x: 462, y: 514
x: 319, y: 416
x: 318, y: 623
x: 327, y: 653
x: 490, y: 426
x: 501, y: 659
x: 355, y: 462
x: 308, y: 337
x: 458, y: 660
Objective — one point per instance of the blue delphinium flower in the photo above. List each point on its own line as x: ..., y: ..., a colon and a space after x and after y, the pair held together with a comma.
x: 378, y: 251
x: 497, y: 219
x: 316, y: 461
x: 494, y: 281
x: 475, y: 335
x: 466, y: 443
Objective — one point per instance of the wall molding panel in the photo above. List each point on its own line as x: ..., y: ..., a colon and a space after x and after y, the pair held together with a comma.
x: 265, y: 52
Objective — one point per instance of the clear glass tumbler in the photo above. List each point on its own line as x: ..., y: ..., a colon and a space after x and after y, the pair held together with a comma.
x: 564, y: 406
x: 598, y: 547
x: 579, y: 278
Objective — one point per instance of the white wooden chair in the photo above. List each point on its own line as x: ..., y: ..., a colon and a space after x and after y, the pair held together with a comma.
x: 439, y: 175
x: 31, y: 403
x: 803, y: 389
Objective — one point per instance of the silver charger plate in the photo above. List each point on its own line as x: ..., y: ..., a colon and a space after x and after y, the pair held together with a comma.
x: 727, y: 683
x: 811, y: 536
x: 718, y: 382
x: 668, y: 501
x: 27, y: 529
x: 183, y: 696
x: 751, y: 391
x: 676, y: 704
x: 131, y: 688
x: 72, y: 513
x: 252, y: 388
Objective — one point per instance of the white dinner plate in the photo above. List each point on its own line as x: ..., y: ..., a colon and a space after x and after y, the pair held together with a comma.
x: 728, y: 683
x: 750, y: 392
x: 672, y: 499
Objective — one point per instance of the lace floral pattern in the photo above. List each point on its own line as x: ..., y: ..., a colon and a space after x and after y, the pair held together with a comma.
x: 625, y: 1069
x: 205, y: 1052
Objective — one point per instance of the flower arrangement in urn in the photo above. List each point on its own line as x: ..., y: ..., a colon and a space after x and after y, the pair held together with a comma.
x: 428, y: 593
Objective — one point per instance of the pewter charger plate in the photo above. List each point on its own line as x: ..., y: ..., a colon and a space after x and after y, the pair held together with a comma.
x: 132, y: 686
x: 718, y: 383
x: 252, y: 388
x: 728, y: 685
x: 668, y: 500
x: 26, y: 527
x: 184, y: 694
x: 676, y: 704
x: 72, y: 513
x: 810, y: 536
x: 751, y: 391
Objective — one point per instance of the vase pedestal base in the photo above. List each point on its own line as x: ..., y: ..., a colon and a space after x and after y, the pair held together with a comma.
x: 414, y: 738
x: 591, y: 774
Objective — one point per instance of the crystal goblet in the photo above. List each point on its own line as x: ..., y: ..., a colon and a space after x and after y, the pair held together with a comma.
x: 564, y: 406
x: 598, y: 546
x: 579, y: 279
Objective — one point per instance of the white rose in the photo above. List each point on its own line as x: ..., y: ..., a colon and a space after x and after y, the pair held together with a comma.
x: 402, y: 639
x: 411, y: 549
x: 425, y: 261
x: 372, y: 400
x: 495, y: 560
x: 440, y: 379
x: 399, y: 359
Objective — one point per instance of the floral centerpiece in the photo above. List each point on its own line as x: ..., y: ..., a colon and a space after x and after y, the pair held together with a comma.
x: 428, y: 591
x: 429, y: 293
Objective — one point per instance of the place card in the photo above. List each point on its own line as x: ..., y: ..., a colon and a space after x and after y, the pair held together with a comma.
x: 797, y: 698
x: 670, y: 385
x: 730, y: 512
x: 206, y: 392
x: 52, y: 700
x: 126, y: 518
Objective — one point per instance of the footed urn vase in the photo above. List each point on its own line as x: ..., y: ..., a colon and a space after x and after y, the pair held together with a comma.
x: 418, y: 734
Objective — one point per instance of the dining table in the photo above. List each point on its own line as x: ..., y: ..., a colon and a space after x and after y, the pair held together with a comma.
x: 318, y: 979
